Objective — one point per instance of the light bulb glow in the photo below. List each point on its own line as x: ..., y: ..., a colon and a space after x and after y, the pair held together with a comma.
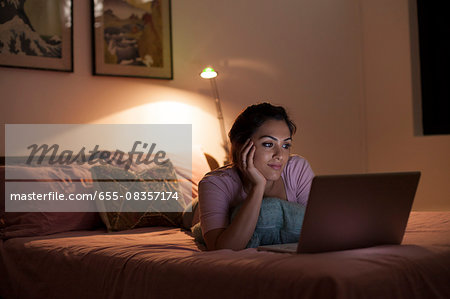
x: 208, y: 73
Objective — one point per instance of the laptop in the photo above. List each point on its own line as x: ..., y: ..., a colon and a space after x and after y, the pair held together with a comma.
x: 354, y: 211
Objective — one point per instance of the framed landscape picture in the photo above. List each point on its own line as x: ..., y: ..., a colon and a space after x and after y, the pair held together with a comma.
x: 132, y: 38
x: 36, y: 34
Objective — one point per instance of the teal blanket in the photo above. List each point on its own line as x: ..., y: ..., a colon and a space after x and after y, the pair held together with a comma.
x: 279, y: 222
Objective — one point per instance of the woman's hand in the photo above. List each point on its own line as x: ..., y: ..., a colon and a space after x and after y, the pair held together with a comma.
x: 248, y: 169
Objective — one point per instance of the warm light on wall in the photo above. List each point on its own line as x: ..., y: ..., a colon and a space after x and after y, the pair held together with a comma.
x: 204, y: 122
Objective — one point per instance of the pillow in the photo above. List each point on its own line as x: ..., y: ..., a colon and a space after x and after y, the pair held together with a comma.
x: 29, y: 224
x: 160, y: 178
x: 279, y: 222
x: 188, y: 175
x: 194, y: 174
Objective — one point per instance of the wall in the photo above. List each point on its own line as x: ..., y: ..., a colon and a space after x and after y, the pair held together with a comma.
x: 391, y: 89
x: 262, y: 50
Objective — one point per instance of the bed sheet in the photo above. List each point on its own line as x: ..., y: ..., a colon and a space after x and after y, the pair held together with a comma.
x: 166, y: 263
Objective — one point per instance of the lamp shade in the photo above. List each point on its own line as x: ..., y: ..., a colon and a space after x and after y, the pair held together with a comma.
x: 208, y: 73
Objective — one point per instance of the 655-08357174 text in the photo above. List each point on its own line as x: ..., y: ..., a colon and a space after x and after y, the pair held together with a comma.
x: 97, y: 195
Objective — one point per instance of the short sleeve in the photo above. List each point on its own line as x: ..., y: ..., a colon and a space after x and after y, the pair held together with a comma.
x: 214, y: 201
x: 300, y: 175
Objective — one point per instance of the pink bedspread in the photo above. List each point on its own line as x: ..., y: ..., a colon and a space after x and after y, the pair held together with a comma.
x: 166, y: 263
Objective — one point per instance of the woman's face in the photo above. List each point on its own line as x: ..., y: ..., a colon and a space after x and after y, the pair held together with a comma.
x: 272, y: 141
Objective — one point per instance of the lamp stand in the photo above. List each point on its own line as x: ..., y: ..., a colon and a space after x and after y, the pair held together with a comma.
x: 225, y: 143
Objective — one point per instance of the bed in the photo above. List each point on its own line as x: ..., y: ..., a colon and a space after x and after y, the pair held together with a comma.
x: 165, y: 262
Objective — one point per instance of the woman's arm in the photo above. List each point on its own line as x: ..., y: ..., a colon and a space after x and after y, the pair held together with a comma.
x: 239, y: 232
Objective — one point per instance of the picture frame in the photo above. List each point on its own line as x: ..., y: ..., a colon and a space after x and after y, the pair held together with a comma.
x: 132, y: 38
x: 37, y: 34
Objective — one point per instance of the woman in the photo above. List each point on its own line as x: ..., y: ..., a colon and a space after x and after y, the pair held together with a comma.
x: 262, y: 166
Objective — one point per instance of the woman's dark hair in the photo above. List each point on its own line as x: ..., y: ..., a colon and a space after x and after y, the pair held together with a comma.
x: 251, y: 119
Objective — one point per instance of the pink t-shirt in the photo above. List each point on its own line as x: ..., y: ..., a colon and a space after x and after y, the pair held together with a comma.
x: 222, y: 189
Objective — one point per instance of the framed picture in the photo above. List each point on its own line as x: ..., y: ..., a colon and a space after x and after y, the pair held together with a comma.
x: 36, y: 34
x: 132, y: 38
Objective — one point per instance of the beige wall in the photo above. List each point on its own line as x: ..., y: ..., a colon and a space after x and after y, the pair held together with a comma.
x: 389, y: 93
x: 263, y: 51
x: 314, y: 57
x: 305, y: 55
